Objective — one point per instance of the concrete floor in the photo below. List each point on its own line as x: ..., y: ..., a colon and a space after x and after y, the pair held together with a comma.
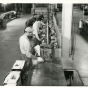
x: 9, y: 45
x: 81, y: 47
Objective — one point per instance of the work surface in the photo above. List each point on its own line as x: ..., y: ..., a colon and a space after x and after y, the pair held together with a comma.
x: 47, y: 74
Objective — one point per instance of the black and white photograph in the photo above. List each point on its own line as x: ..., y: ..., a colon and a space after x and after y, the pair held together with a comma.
x: 43, y: 44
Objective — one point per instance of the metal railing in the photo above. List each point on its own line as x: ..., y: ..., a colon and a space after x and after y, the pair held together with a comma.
x: 73, y: 38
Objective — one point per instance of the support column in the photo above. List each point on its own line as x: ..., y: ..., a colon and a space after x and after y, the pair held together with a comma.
x: 4, y: 7
x: 66, y: 29
x: 15, y: 7
x: 33, y: 6
x: 56, y: 5
x: 24, y: 8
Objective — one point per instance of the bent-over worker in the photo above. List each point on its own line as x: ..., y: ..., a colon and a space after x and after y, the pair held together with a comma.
x: 31, y: 19
x: 37, y: 26
x: 25, y: 46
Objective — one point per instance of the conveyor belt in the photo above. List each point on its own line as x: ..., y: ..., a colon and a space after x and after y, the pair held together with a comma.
x: 47, y: 74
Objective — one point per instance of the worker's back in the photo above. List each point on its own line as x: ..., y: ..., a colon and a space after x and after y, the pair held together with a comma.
x: 36, y: 26
x: 32, y: 19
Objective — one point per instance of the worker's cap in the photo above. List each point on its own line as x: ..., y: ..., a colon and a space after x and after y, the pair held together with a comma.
x: 36, y: 16
x: 30, y: 22
x: 40, y: 17
x: 28, y: 29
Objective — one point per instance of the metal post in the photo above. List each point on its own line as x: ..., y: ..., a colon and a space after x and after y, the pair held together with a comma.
x: 15, y: 7
x: 48, y: 26
x: 33, y: 8
x: 83, y: 12
x: 47, y: 34
x: 66, y: 29
x: 4, y: 8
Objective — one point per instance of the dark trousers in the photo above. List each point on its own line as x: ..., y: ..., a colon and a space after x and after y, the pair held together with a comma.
x: 24, y: 73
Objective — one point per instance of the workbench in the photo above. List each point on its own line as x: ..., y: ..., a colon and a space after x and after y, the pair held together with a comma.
x: 47, y: 73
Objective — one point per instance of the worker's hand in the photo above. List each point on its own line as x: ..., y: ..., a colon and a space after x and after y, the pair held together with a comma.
x: 41, y: 39
x: 50, y: 25
x: 33, y: 57
x: 34, y: 62
x: 40, y: 59
x: 44, y: 26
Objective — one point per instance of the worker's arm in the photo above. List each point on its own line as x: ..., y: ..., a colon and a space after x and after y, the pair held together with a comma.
x: 28, y: 51
x: 36, y: 34
x: 42, y: 23
x: 45, y: 25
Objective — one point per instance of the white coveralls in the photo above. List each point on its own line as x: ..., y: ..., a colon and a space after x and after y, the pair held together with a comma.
x: 25, y: 49
x: 80, y: 24
x: 25, y: 46
x: 36, y: 27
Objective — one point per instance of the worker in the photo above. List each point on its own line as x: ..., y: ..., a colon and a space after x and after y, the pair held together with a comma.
x: 37, y: 26
x: 80, y: 26
x: 86, y: 7
x: 86, y: 10
x: 25, y: 46
x: 32, y: 19
x: 35, y: 48
x: 26, y: 52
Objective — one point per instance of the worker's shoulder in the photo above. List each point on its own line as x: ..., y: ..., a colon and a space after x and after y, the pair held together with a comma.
x: 35, y: 23
x: 31, y: 18
x: 24, y: 40
x: 22, y: 37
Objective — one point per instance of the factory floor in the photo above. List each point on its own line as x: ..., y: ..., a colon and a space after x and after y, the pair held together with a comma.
x: 81, y: 46
x: 81, y: 58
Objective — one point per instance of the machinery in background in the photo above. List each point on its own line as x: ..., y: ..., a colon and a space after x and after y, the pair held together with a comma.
x: 8, y: 16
